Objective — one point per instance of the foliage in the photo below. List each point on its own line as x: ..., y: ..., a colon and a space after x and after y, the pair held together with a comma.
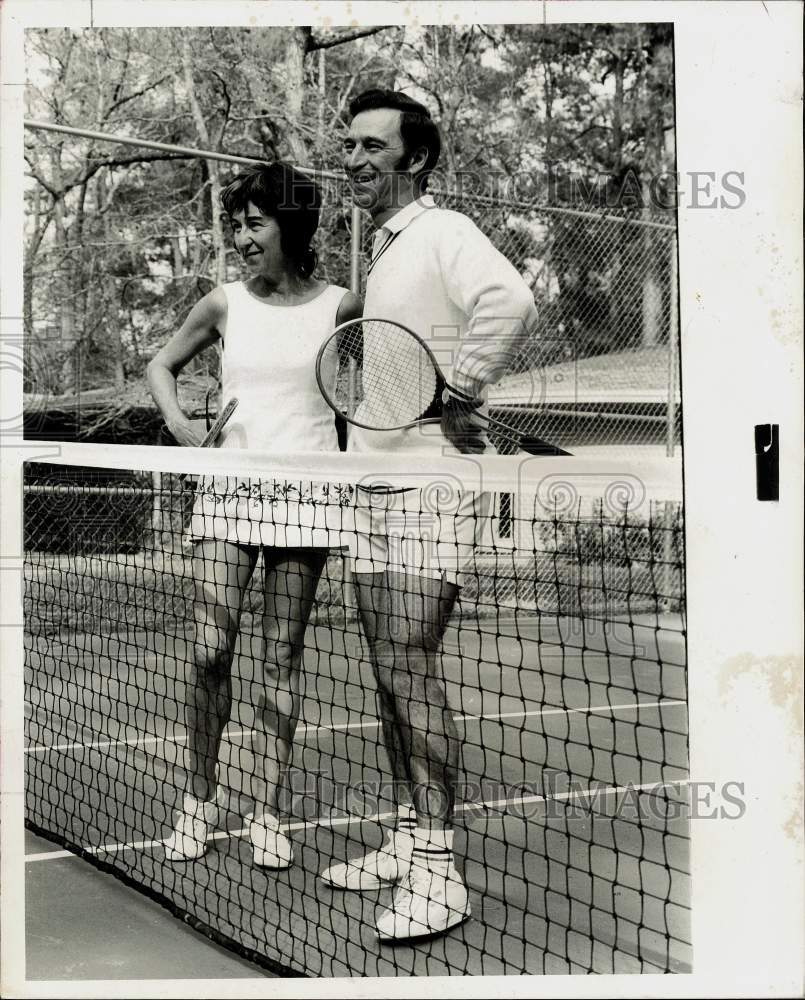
x: 121, y: 241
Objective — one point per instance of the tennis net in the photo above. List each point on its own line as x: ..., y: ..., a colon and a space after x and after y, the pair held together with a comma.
x: 563, y: 663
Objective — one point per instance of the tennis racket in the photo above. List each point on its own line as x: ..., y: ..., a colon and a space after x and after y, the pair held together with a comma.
x: 223, y: 419
x: 382, y: 376
x: 214, y: 432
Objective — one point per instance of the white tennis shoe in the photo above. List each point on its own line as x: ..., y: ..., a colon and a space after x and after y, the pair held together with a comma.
x: 188, y: 842
x: 387, y: 866
x: 425, y: 904
x: 272, y: 849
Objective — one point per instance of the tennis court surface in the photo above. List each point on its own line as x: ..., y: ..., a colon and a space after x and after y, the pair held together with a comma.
x: 565, y: 669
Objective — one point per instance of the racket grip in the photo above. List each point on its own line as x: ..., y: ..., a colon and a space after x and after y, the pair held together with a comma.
x: 532, y: 445
x: 214, y: 432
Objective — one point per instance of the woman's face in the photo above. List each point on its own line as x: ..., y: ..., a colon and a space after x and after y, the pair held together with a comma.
x: 257, y: 240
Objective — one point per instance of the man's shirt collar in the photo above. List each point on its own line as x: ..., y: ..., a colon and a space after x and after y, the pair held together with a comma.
x: 406, y: 215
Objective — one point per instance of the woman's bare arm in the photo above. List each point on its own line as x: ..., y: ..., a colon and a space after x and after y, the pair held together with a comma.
x: 202, y: 328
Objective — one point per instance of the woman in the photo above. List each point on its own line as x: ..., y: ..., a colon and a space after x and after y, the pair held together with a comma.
x: 271, y: 325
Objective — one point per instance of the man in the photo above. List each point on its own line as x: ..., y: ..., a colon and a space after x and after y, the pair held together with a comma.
x: 435, y: 272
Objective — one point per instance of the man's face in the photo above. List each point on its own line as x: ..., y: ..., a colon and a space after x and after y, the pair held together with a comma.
x: 375, y: 161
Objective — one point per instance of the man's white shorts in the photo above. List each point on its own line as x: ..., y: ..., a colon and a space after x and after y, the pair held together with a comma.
x: 419, y: 532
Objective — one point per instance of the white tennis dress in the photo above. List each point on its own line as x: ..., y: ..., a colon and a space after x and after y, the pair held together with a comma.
x: 269, y: 364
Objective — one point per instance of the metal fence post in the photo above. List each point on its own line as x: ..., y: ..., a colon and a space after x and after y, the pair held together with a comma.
x: 670, y: 430
x: 355, y: 251
x: 356, y: 245
x: 673, y: 343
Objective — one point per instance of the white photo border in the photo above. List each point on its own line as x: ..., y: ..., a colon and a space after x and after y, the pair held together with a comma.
x: 738, y: 96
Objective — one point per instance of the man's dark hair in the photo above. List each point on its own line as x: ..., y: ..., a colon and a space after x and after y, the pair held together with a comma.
x: 417, y: 128
x: 287, y: 195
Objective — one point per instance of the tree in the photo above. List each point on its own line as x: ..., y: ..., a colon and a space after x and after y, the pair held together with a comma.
x: 121, y: 241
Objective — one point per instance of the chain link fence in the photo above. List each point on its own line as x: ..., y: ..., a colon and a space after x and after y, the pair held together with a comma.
x: 600, y: 369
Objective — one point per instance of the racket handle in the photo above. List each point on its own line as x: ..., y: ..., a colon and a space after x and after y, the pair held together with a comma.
x: 532, y: 445
x: 214, y: 432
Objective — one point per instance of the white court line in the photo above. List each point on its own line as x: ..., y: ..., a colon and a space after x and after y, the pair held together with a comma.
x: 495, y: 804
x: 341, y: 726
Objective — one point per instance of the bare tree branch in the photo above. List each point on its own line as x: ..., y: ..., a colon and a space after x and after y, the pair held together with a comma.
x: 93, y: 168
x: 137, y: 93
x: 40, y: 179
x: 348, y: 36
x: 227, y: 104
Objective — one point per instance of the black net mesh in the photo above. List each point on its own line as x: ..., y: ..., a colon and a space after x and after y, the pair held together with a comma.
x: 557, y: 676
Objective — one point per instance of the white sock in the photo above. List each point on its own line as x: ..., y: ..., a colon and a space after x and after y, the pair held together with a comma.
x: 433, y: 849
x: 406, y: 819
x: 198, y: 808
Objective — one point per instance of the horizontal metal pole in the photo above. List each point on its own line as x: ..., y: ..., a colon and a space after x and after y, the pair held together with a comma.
x: 479, y: 198
x: 164, y: 147
x: 496, y: 201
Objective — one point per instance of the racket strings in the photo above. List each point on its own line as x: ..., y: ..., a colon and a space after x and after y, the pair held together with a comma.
x: 379, y: 375
x: 385, y: 378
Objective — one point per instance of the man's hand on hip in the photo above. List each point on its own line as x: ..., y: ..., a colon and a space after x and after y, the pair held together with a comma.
x: 460, y: 426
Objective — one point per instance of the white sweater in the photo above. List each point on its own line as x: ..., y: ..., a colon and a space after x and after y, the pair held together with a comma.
x: 440, y: 276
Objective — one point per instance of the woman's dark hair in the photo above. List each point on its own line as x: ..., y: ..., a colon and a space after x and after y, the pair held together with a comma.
x: 287, y: 195
x: 417, y: 128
